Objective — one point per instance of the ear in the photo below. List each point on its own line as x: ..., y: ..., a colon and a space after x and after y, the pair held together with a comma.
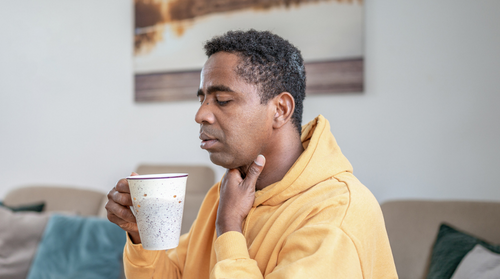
x: 284, y: 107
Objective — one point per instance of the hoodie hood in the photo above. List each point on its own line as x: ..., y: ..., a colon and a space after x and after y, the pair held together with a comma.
x: 321, y: 160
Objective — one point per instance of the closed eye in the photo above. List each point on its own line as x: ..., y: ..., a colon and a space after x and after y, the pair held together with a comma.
x: 223, y: 103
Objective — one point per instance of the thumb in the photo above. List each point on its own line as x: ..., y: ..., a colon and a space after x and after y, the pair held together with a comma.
x: 255, y: 169
x: 133, y: 174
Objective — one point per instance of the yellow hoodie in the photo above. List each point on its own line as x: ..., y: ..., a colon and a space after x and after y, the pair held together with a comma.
x: 319, y: 221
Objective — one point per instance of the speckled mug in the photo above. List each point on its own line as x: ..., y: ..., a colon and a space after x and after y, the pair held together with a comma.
x: 158, y: 204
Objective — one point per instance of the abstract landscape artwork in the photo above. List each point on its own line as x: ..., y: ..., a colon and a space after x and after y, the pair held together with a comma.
x: 169, y: 37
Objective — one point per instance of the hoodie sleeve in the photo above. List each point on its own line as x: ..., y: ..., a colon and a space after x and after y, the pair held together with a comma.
x: 141, y: 263
x: 233, y: 260
x: 315, y: 251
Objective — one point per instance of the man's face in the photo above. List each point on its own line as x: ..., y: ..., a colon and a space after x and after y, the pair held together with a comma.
x: 234, y: 126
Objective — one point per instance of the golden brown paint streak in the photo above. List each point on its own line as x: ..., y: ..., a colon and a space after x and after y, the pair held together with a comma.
x: 151, y: 15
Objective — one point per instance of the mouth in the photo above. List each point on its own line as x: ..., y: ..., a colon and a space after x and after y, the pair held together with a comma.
x: 207, y: 141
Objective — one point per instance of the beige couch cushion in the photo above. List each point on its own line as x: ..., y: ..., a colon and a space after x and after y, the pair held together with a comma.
x: 200, y: 180
x: 20, y: 233
x: 58, y: 199
x: 412, y: 227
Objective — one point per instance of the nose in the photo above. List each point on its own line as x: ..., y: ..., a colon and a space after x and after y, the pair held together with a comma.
x: 205, y: 114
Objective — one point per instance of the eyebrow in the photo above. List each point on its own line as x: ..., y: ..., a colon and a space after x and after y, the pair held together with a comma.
x: 214, y: 88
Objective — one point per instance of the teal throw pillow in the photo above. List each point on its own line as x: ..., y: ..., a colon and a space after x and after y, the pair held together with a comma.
x: 79, y: 247
x: 450, y: 248
x: 37, y: 207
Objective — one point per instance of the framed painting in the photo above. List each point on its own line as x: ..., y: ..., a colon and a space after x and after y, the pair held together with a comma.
x: 169, y: 37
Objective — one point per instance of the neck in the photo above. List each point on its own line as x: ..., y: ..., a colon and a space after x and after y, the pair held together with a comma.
x: 280, y: 156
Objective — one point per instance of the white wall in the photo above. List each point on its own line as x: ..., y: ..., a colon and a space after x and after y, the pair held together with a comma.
x: 426, y: 126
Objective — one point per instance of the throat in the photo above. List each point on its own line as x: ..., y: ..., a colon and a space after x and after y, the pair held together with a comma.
x: 277, y: 166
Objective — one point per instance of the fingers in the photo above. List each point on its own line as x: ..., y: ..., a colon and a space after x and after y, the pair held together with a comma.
x: 122, y: 213
x: 121, y: 198
x: 126, y: 226
x: 255, y: 170
x: 122, y: 216
x: 122, y: 186
x: 118, y: 206
x: 233, y: 175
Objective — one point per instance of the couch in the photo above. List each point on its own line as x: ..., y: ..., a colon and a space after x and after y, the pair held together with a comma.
x: 412, y: 227
x: 80, y: 209
x: 68, y: 239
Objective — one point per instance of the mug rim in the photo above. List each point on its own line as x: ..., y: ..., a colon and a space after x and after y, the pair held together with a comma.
x: 157, y: 176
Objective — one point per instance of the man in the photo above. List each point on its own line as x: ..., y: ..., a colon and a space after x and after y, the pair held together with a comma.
x: 288, y: 205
